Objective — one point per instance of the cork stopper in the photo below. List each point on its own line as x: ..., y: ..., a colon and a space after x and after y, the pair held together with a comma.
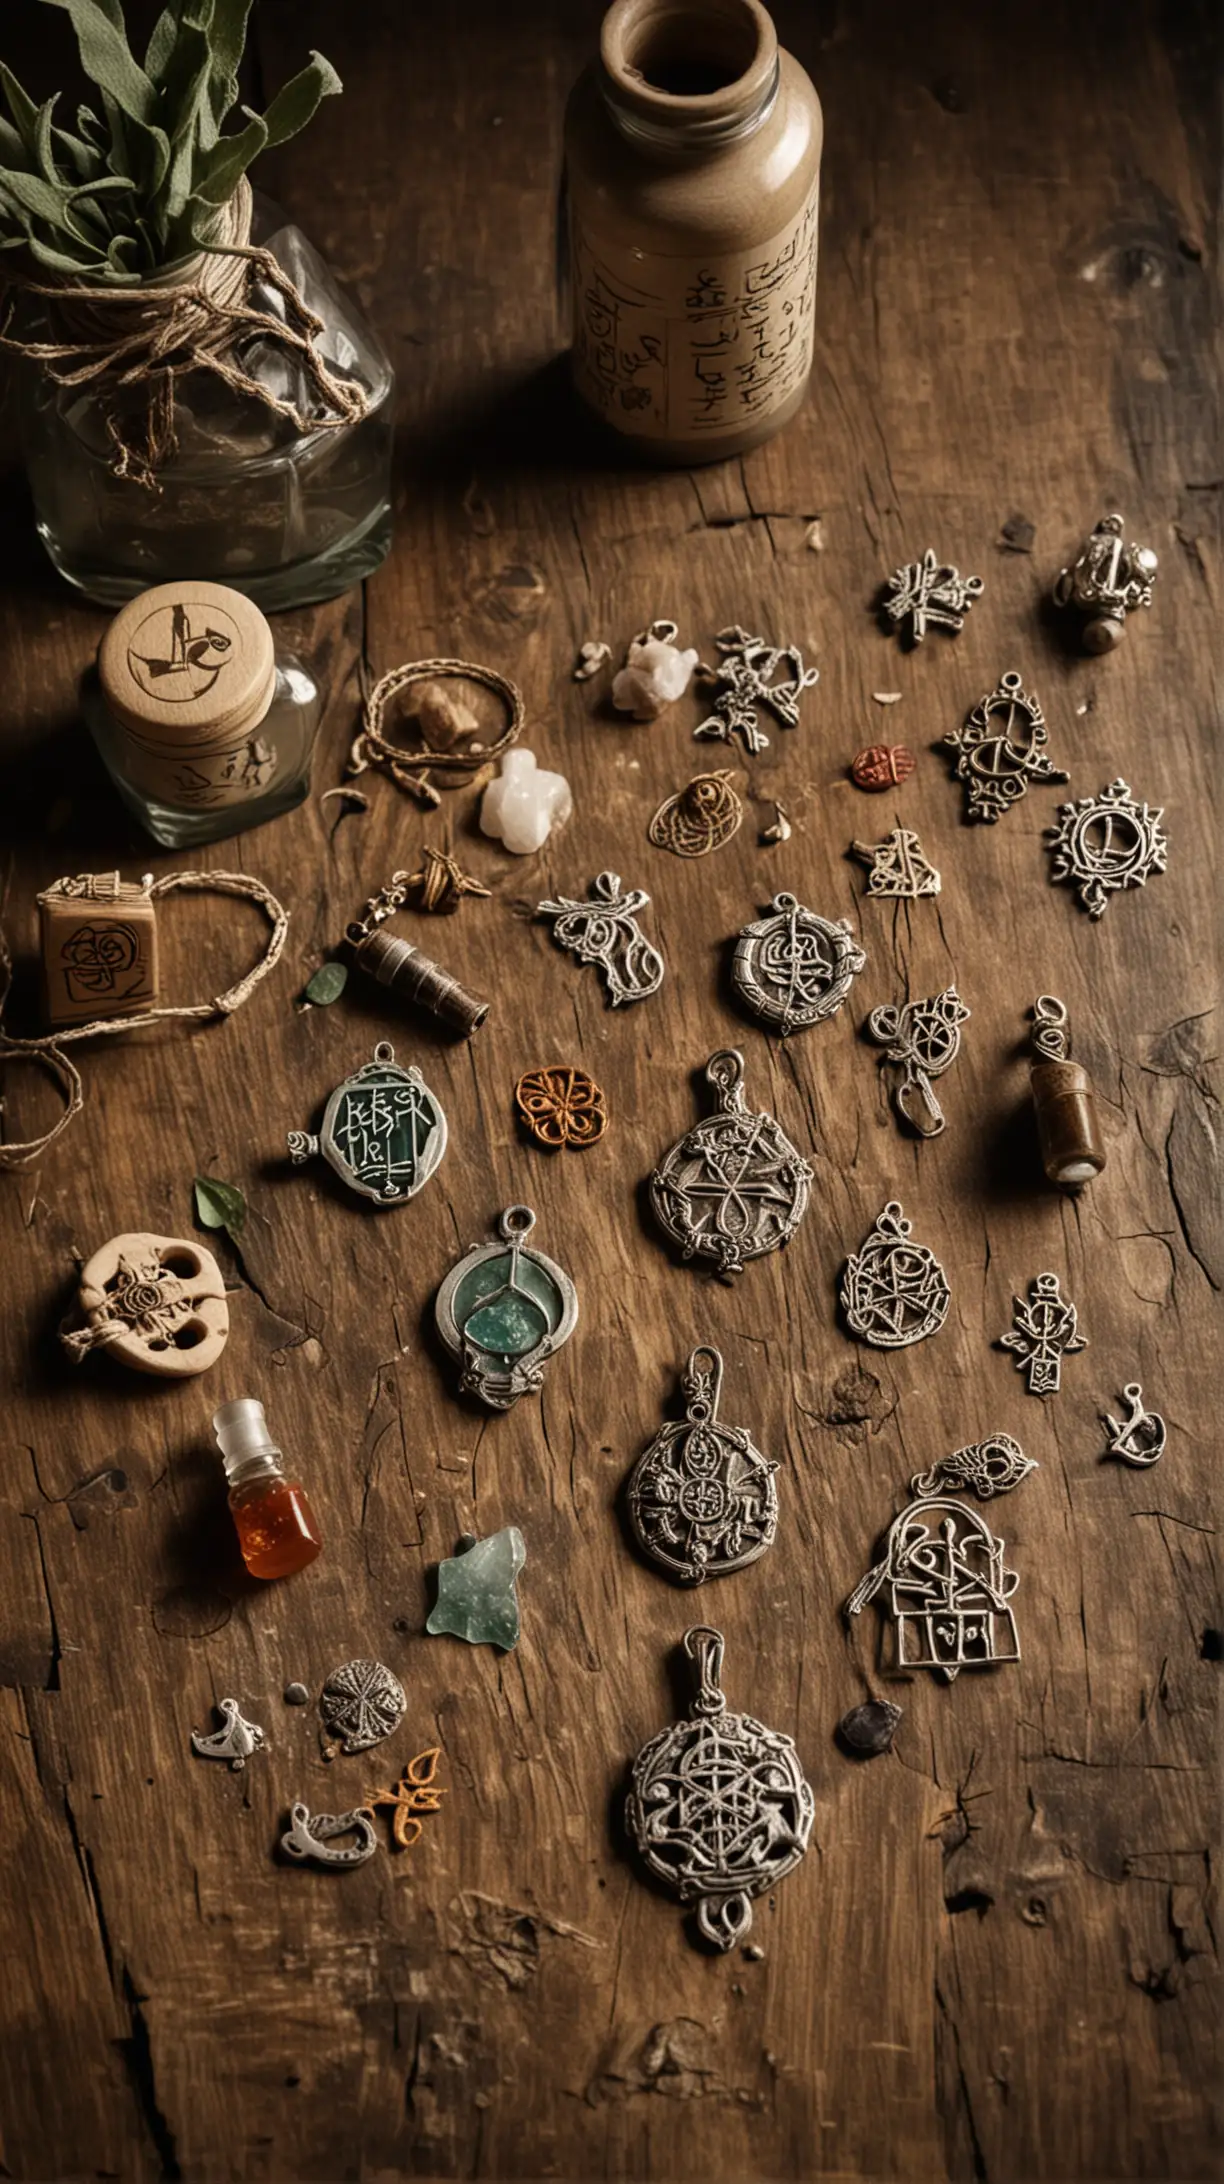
x: 188, y: 665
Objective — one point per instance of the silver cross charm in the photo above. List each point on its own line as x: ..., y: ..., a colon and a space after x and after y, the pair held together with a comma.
x: 1043, y: 1331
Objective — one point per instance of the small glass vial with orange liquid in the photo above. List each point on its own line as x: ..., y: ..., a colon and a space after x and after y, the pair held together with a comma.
x: 277, y: 1528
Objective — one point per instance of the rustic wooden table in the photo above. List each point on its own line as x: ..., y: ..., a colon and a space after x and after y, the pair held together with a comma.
x: 996, y: 1961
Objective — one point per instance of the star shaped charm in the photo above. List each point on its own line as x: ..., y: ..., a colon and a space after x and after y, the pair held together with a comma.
x: 476, y: 1596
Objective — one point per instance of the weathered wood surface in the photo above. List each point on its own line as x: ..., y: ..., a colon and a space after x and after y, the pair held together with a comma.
x: 998, y: 1960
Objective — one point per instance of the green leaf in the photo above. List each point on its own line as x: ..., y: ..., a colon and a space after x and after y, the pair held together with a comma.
x: 12, y: 150
x: 46, y: 200
x: 161, y: 45
x: 43, y: 150
x: 107, y: 58
x: 227, y: 33
x: 218, y: 176
x: 23, y: 111
x: 328, y: 984
x: 220, y: 1206
x: 297, y: 101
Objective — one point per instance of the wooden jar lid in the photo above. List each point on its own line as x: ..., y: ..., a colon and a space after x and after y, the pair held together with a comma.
x: 187, y: 665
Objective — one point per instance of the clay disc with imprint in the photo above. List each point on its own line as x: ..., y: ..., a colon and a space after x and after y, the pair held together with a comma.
x: 160, y: 1301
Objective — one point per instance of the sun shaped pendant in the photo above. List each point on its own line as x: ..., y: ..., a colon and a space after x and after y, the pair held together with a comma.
x: 719, y: 1808
x: 503, y: 1310
x: 383, y: 1131
x: 733, y: 1187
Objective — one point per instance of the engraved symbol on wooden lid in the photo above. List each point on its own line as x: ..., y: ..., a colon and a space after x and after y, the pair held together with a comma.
x: 188, y: 665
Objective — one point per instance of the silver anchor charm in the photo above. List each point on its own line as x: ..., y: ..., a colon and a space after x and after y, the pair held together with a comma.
x: 900, y: 868
x: 1140, y: 1439
x: 312, y: 1836
x: 383, y: 1131
x: 701, y: 1498
x: 603, y: 929
x: 930, y: 591
x: 794, y: 969
x: 1107, y: 582
x: 720, y: 1809
x: 1000, y: 749
x: 894, y: 1292
x: 922, y: 1040
x: 235, y: 1742
x: 742, y: 683
x: 733, y: 1187
x: 1043, y: 1331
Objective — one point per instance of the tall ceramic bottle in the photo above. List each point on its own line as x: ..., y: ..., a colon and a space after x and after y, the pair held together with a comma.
x: 693, y: 168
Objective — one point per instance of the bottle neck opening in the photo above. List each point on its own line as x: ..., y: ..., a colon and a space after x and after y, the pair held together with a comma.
x: 690, y: 74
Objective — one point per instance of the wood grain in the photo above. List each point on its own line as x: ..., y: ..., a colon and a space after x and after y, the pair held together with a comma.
x: 998, y: 1960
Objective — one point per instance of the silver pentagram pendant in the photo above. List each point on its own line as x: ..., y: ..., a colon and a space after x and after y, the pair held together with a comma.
x: 793, y: 968
x: 503, y: 1310
x: 383, y: 1131
x: 701, y: 1498
x: 894, y: 1292
x: 720, y: 1809
x: 1105, y: 843
x: 734, y: 1187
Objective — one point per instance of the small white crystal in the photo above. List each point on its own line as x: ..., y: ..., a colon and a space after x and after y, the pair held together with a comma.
x: 655, y: 673
x: 591, y: 658
x: 525, y: 802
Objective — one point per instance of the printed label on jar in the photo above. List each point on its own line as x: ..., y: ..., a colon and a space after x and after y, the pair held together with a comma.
x: 202, y: 780
x: 694, y: 349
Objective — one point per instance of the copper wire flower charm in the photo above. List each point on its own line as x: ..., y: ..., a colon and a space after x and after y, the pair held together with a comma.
x: 416, y: 1791
x: 561, y: 1106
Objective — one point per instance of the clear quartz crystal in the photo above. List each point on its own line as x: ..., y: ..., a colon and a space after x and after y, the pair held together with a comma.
x: 275, y: 762
x: 247, y: 500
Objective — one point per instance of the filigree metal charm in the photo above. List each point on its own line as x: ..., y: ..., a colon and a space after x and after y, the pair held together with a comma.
x: 948, y: 1590
x: 701, y: 1498
x: 985, y: 1468
x: 383, y: 1131
x: 900, y: 869
x: 894, y: 1292
x: 235, y: 1742
x: 561, y: 1106
x: 922, y: 1040
x: 313, y: 1835
x: 360, y: 1704
x: 1140, y: 1438
x: 1105, y: 843
x: 793, y: 968
x: 733, y: 1187
x: 1043, y: 1331
x: 1106, y: 583
x: 699, y: 818
x: 416, y: 1791
x: 1001, y: 748
x: 719, y: 1809
x: 743, y: 681
x: 930, y: 591
x: 503, y: 1310
x: 603, y: 929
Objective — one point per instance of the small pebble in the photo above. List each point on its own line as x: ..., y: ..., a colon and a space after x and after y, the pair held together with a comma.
x: 754, y: 1952
x: 296, y: 1694
x: 781, y: 830
x: 591, y: 658
x: 870, y: 1729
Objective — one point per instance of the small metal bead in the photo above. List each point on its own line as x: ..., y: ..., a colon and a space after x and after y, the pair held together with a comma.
x: 870, y: 1729
x: 296, y: 1694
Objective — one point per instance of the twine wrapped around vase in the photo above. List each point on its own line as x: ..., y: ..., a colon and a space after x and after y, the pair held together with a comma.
x: 141, y: 340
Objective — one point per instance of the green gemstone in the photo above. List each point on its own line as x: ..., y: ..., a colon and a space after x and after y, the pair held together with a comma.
x: 509, y: 1325
x: 476, y: 1597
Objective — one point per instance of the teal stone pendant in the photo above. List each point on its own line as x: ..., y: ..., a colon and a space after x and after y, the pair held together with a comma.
x: 383, y: 1131
x: 503, y: 1310
x: 476, y: 1596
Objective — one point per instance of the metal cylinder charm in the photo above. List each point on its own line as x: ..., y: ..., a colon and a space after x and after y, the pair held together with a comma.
x: 1072, y: 1149
x: 416, y: 978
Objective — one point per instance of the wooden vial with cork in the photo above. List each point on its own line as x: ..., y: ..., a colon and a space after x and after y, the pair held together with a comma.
x: 1068, y: 1131
x: 692, y: 161
x: 276, y: 1526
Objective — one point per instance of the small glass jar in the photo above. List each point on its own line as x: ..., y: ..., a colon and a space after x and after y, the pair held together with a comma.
x: 276, y: 1526
x: 203, y: 726
x: 692, y: 159
x: 285, y: 516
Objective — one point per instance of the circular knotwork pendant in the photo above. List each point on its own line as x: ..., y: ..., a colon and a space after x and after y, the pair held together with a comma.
x: 702, y: 1499
x: 719, y: 1807
x: 893, y: 1291
x: 792, y: 968
x: 1104, y: 843
x: 734, y: 1187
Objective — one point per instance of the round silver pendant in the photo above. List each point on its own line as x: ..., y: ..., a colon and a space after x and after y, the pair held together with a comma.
x: 719, y: 1808
x: 383, y: 1131
x: 701, y: 1498
x: 503, y: 1310
x: 360, y: 1704
x: 894, y: 1292
x: 734, y: 1187
x: 792, y: 968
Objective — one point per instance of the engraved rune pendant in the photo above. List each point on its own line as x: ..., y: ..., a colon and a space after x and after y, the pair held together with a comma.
x: 1000, y: 749
x: 894, y: 1292
x: 1043, y: 1331
x: 719, y: 1809
x: 793, y: 969
x: 733, y: 1187
x: 702, y: 1499
x: 922, y: 1039
x: 383, y: 1131
x: 503, y: 1310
